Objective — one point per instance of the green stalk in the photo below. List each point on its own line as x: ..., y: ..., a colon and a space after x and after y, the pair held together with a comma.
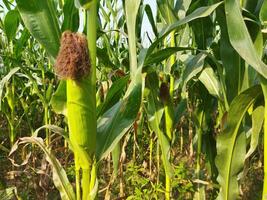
x: 77, y: 176
x: 81, y: 108
x: 168, y: 109
x: 264, y: 89
x: 46, y: 123
x: 150, y: 153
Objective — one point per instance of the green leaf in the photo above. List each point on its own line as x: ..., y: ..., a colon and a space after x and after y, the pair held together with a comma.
x: 40, y: 19
x: 198, y: 13
x: 263, y: 13
x: 230, y: 59
x: 114, y: 94
x: 59, y: 99
x: 231, y: 145
x: 71, y: 16
x: 151, y: 18
x: 163, y: 54
x: 194, y: 66
x: 11, y: 24
x: 257, y: 122
x: 118, y: 119
x: 131, y: 10
x: 211, y: 82
x: 5, y: 80
x: 240, y: 38
x: 60, y: 178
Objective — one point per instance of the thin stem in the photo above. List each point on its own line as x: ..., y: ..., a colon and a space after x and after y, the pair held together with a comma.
x: 77, y: 176
x: 264, y: 88
x: 168, y: 187
x: 86, y: 183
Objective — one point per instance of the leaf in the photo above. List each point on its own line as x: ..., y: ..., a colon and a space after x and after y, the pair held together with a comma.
x: 194, y: 66
x: 59, y: 99
x: 59, y: 175
x: 118, y: 119
x: 166, y: 10
x: 5, y: 80
x: 198, y: 13
x: 114, y: 94
x: 240, y: 38
x: 71, y: 16
x: 40, y: 19
x: 230, y: 59
x: 263, y: 13
x: 163, y: 54
x: 11, y: 24
x: 231, y: 144
x: 257, y: 122
x: 211, y: 82
x: 116, y: 159
x: 150, y: 17
x: 131, y: 10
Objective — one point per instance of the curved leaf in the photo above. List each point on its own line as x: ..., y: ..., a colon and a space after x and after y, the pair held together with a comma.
x: 257, y: 122
x: 59, y: 175
x: 240, y: 38
x: 40, y: 18
x: 59, y: 99
x: 211, y: 82
x: 118, y: 119
x: 11, y: 24
x: 5, y: 80
x: 231, y: 145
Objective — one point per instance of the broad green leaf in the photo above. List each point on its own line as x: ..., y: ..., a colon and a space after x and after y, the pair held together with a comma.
x: 257, y: 122
x: 230, y: 60
x: 198, y: 13
x: 194, y: 66
x: 118, y: 119
x: 166, y: 11
x: 5, y: 80
x: 231, y: 145
x: 71, y: 16
x: 60, y: 178
x: 11, y: 24
x: 40, y: 19
x: 211, y: 82
x: 240, y: 38
x: 163, y: 54
x: 59, y: 99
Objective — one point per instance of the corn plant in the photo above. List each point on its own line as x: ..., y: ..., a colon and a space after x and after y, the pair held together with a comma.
x: 196, y: 92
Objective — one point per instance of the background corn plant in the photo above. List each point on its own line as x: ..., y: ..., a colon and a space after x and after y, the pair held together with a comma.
x: 181, y: 118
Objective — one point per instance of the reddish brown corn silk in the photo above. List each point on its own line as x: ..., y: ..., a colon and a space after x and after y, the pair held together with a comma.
x: 73, y: 58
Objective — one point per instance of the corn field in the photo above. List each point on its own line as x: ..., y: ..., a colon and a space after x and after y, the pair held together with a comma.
x: 133, y: 99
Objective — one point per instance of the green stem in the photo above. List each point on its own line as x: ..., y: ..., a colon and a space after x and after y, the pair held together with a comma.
x: 150, y: 153
x: 46, y: 123
x: 77, y: 175
x: 86, y: 183
x: 264, y: 88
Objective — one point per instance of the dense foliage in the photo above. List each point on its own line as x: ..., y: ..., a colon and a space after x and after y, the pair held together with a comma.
x: 177, y: 113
